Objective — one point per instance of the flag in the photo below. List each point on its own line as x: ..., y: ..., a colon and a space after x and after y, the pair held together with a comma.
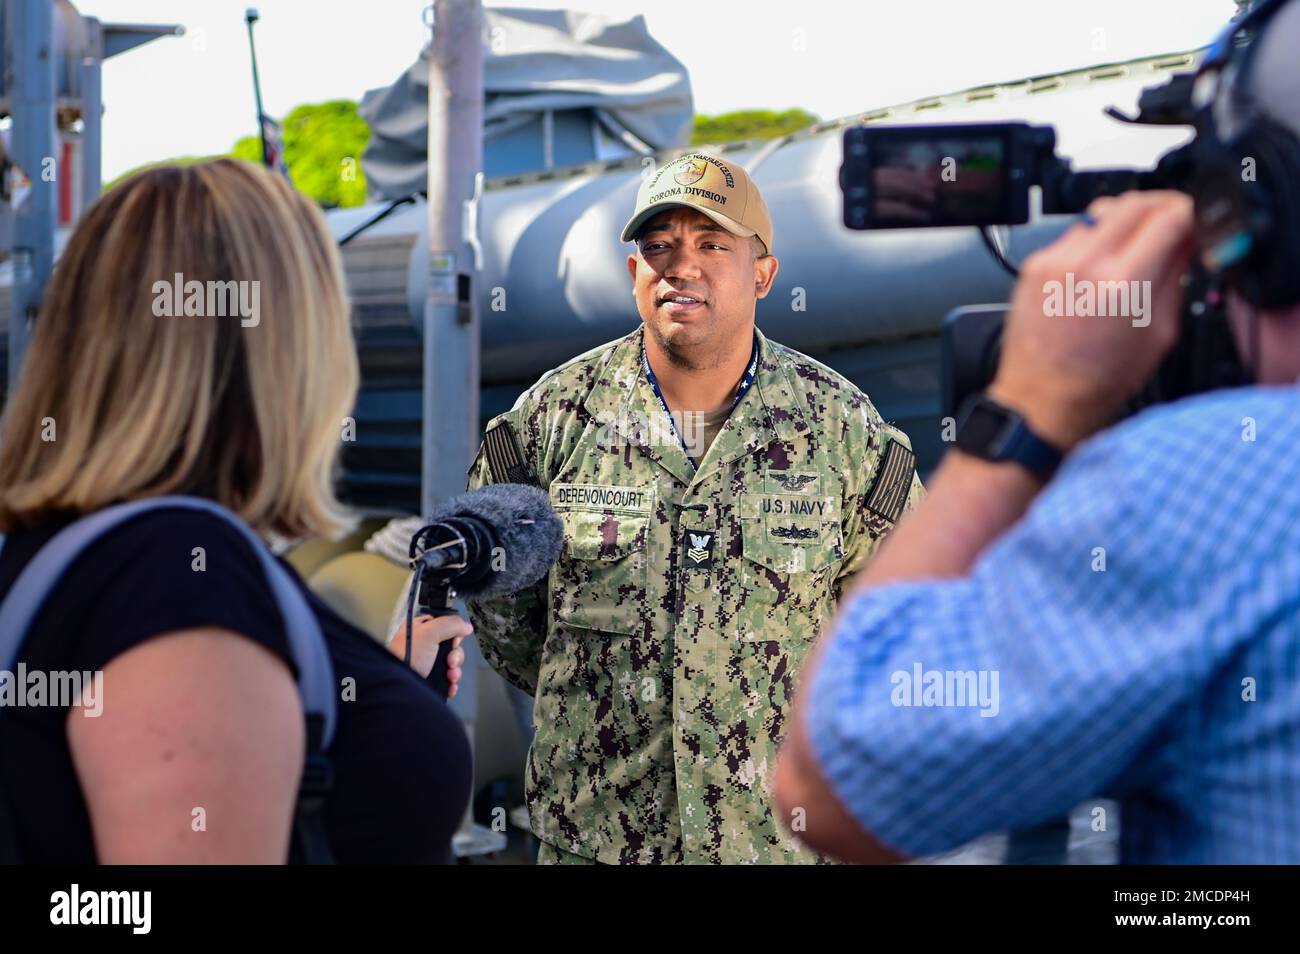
x: 273, y: 157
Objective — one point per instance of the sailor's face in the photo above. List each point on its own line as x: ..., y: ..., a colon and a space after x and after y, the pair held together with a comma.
x: 695, y: 283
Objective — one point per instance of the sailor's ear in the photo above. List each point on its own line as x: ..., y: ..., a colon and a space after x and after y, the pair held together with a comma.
x: 765, y: 270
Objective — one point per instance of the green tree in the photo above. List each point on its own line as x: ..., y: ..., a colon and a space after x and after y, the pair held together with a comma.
x: 749, y: 124
x: 323, y: 143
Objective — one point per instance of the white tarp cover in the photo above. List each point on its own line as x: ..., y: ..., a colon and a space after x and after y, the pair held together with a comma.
x: 538, y: 60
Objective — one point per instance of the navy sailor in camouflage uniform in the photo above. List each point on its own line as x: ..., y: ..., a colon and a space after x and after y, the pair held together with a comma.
x: 718, y: 492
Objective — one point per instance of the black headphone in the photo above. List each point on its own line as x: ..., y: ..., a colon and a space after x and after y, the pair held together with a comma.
x: 1247, y: 182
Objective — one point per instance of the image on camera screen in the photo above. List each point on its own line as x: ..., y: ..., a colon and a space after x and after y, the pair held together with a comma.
x: 920, y: 182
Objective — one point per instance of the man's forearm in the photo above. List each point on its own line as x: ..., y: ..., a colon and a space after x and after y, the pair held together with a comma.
x: 969, y: 503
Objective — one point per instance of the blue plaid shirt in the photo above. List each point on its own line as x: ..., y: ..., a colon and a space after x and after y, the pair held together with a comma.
x: 1135, y: 636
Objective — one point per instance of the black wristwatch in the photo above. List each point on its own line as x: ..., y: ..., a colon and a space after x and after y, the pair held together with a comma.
x: 993, y: 431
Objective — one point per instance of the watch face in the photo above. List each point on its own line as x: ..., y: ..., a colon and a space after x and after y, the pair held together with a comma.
x: 983, y: 429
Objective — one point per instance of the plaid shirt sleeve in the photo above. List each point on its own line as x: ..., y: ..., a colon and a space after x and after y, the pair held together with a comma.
x: 942, y: 710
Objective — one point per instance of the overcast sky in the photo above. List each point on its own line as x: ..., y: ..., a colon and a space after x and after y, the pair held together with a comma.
x: 193, y: 94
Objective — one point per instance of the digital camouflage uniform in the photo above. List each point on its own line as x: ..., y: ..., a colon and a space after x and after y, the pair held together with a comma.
x: 664, y: 647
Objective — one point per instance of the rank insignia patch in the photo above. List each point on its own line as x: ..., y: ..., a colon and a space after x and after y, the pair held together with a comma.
x: 699, y: 549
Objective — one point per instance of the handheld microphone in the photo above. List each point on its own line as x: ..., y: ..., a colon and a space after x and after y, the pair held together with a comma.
x: 488, y: 542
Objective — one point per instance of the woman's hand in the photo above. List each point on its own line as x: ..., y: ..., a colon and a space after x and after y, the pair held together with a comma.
x: 430, y: 632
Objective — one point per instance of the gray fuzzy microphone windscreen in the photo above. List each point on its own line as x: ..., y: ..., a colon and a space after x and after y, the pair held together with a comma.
x: 529, y: 532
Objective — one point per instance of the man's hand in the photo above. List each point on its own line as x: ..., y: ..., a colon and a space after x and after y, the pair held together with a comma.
x: 1069, y: 375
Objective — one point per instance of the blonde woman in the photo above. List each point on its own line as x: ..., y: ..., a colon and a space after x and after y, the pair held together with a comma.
x: 139, y: 383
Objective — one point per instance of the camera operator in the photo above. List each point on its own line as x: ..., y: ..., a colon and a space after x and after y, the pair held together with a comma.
x: 1136, y: 615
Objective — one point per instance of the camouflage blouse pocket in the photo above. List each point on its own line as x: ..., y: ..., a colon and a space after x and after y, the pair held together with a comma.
x: 601, y: 574
x: 787, y: 575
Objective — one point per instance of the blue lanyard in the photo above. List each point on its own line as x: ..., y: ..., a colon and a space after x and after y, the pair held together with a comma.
x: 746, y: 382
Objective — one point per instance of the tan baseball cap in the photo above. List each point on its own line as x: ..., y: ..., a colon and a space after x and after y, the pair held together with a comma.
x: 722, y: 191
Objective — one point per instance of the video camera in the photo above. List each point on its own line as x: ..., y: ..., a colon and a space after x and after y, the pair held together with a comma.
x: 980, y: 174
x: 983, y: 175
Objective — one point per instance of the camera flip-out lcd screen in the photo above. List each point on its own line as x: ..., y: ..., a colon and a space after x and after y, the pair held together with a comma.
x: 945, y: 181
x: 922, y: 176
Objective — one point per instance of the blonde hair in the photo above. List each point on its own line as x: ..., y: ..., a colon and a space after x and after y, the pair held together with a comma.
x: 246, y: 414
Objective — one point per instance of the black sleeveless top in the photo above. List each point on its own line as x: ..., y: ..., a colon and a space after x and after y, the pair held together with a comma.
x: 402, y: 767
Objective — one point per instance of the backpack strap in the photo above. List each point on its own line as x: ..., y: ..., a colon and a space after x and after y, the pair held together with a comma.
x: 306, y: 644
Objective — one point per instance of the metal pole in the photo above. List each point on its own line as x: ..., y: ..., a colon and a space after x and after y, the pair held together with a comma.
x: 251, y: 17
x: 31, y: 34
x: 92, y: 113
x: 451, y: 330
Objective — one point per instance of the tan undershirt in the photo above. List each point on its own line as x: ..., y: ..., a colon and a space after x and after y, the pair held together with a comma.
x: 699, y: 428
x: 713, y: 423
